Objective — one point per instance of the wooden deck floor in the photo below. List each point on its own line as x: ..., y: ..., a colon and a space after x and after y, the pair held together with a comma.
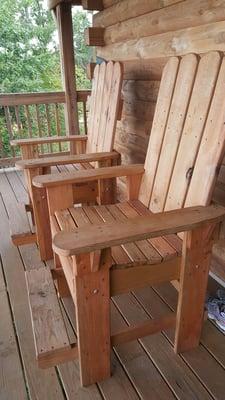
x: 146, y: 369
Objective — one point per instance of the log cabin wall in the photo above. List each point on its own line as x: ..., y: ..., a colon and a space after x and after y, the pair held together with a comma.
x: 143, y: 34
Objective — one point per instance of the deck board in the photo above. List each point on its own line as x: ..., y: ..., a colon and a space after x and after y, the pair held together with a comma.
x: 140, y: 368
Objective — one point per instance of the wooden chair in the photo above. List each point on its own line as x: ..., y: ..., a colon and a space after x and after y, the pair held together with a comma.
x: 97, y: 146
x: 105, y: 250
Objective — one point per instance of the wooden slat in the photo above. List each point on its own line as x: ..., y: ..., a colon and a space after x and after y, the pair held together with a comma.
x: 158, y: 128
x: 68, y: 159
x: 176, y: 118
x: 159, y: 248
x: 120, y: 256
x: 211, y: 150
x: 114, y: 104
x: 98, y: 108
x: 124, y: 280
x: 144, y: 329
x: 139, y: 228
x: 87, y: 175
x: 105, y: 104
x: 93, y: 105
x: 20, y: 229
x: 193, y: 129
x: 52, y: 139
x: 51, y: 340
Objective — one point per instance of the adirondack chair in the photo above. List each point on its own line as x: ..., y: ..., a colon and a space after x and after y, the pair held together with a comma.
x: 105, y: 250
x: 97, y: 146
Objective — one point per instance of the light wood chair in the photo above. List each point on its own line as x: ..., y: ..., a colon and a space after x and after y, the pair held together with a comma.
x: 106, y: 250
x: 94, y: 148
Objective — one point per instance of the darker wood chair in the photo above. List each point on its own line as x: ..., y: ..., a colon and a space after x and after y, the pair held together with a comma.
x: 94, y: 149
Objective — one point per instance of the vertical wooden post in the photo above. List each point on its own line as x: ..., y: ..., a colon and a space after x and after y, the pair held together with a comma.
x: 197, y: 249
x: 65, y: 31
x: 93, y: 315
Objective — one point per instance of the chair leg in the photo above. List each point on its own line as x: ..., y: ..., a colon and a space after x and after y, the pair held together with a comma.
x: 62, y: 286
x: 93, y: 323
x: 197, y: 248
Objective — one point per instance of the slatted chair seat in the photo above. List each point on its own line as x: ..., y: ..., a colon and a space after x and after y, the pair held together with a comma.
x: 144, y: 252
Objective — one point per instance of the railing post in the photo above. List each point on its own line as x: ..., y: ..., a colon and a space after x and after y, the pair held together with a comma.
x: 65, y: 31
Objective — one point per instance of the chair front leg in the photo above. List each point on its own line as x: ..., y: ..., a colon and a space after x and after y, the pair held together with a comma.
x: 93, y: 315
x: 196, y: 256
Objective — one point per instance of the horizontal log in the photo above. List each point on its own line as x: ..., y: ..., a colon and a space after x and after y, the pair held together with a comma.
x: 132, y: 125
x: 94, y: 36
x: 53, y: 3
x: 138, y: 109
x: 14, y: 99
x: 126, y: 9
x: 92, y: 5
x: 109, y: 3
x: 185, y: 14
x: 144, y: 69
x: 196, y: 40
x: 140, y: 90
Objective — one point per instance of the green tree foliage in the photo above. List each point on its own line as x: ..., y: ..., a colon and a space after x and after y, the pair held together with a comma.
x: 29, y: 57
x: 29, y: 54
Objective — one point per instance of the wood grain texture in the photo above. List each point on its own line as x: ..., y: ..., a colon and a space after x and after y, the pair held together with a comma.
x: 191, y: 40
x: 94, y: 238
x: 185, y: 14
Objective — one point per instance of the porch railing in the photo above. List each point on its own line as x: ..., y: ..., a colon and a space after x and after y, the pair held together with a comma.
x: 25, y: 115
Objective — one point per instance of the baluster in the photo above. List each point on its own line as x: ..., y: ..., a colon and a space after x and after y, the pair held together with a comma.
x: 39, y: 125
x: 85, y: 117
x: 58, y: 127
x: 18, y: 122
x: 28, y: 120
x: 9, y: 127
x: 48, y: 125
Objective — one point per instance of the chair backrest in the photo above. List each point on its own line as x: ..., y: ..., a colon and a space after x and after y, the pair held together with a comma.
x: 104, y: 106
x: 187, y: 140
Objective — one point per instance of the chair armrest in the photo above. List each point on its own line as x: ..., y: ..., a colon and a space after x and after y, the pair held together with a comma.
x: 48, y: 139
x: 96, y: 237
x: 87, y: 175
x: 63, y: 160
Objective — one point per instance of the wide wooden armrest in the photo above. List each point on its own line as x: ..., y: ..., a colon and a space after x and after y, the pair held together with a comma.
x: 96, y: 237
x: 47, y: 139
x: 67, y: 159
x: 88, y: 175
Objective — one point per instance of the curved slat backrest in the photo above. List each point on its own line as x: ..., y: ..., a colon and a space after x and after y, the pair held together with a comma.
x: 104, y: 106
x: 187, y: 140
